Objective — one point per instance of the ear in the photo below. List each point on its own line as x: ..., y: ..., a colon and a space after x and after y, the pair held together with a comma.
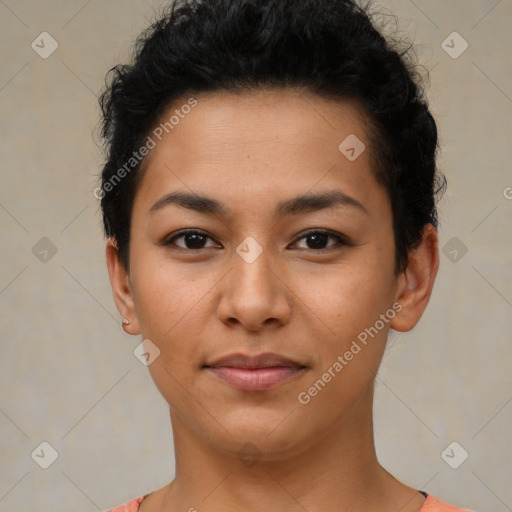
x: 121, y: 288
x: 416, y: 281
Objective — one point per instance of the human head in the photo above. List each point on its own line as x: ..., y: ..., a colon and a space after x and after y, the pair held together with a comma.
x: 329, y: 48
x: 270, y: 132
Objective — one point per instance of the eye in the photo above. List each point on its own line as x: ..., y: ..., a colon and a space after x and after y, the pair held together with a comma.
x: 318, y: 238
x: 193, y: 239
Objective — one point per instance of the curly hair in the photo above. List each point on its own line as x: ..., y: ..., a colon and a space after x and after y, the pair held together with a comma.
x: 329, y: 47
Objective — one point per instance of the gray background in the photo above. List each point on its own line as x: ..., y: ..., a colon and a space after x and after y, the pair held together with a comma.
x: 68, y: 374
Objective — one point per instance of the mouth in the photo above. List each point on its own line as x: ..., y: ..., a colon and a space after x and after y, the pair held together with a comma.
x: 255, y: 373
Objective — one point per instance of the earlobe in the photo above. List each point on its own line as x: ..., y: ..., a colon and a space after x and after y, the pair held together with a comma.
x: 121, y: 288
x: 417, y: 281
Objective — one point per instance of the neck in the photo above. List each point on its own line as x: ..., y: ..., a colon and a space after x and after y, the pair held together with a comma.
x: 337, y: 471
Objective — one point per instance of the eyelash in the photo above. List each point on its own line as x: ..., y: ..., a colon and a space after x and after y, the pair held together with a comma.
x: 342, y: 240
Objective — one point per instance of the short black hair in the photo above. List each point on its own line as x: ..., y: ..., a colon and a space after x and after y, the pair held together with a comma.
x: 329, y: 47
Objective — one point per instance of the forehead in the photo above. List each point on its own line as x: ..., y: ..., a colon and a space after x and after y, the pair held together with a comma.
x: 247, y: 118
x: 254, y: 144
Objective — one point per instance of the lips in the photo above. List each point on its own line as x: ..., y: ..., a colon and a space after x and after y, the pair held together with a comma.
x: 254, y: 373
x: 266, y: 360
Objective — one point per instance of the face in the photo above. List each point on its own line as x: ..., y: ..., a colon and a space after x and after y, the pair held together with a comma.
x: 262, y: 271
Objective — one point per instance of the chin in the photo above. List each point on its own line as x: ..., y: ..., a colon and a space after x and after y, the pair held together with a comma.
x: 268, y: 435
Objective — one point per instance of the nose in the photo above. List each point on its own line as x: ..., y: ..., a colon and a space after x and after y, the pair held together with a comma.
x: 254, y: 294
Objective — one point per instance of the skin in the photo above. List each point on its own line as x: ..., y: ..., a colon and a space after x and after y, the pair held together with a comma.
x: 307, y: 302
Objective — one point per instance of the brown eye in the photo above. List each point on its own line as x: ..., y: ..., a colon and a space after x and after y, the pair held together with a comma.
x: 192, y: 240
x: 317, y: 239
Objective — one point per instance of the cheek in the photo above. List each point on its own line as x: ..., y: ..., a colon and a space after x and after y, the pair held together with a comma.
x: 344, y: 306
x: 163, y: 295
x: 348, y: 347
x: 167, y: 311
x: 345, y: 297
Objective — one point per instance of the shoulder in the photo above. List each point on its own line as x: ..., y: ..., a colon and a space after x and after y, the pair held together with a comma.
x: 433, y: 504
x: 131, y: 506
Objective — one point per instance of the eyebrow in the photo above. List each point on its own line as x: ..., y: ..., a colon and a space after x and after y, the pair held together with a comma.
x: 294, y: 206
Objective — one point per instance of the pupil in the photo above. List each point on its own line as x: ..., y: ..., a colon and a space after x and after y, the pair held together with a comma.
x: 322, y: 237
x: 196, y: 236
